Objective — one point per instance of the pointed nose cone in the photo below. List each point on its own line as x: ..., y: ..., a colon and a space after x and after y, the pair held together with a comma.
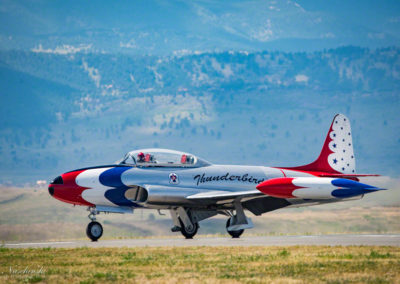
x: 51, y: 190
x: 65, y: 189
x: 58, y: 180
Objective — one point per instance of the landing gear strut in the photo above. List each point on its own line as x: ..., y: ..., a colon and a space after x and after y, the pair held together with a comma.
x: 94, y: 229
x: 185, y: 222
x: 238, y: 222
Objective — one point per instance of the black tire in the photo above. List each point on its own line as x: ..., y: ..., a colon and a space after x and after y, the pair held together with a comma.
x: 234, y: 234
x: 94, y: 231
x: 186, y: 233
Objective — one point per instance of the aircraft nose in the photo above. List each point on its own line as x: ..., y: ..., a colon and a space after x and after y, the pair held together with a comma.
x: 51, y: 190
x: 65, y: 189
x: 58, y: 180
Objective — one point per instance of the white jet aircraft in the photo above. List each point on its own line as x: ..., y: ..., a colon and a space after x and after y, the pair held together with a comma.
x: 193, y: 189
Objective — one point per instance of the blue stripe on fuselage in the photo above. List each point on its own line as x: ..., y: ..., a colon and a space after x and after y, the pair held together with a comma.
x: 112, y: 177
x: 117, y: 196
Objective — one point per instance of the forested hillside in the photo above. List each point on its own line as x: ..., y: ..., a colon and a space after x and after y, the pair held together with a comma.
x: 67, y: 108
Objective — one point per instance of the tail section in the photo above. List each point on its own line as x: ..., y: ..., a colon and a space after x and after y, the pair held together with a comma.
x: 337, y: 155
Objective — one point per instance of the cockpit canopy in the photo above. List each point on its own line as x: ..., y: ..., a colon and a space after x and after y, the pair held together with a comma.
x: 162, y: 158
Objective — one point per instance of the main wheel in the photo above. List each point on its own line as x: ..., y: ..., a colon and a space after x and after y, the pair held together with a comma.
x: 94, y: 231
x: 234, y: 234
x: 189, y: 232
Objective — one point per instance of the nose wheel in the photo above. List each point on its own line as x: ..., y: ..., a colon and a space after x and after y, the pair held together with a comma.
x: 94, y: 229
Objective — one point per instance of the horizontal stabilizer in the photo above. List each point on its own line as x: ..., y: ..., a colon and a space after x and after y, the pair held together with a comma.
x: 352, y: 176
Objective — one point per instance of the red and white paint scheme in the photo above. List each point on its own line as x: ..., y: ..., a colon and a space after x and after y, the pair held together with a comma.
x: 314, y: 188
x: 193, y: 189
x: 337, y: 154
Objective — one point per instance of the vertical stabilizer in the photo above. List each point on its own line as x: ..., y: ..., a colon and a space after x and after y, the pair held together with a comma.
x: 337, y: 155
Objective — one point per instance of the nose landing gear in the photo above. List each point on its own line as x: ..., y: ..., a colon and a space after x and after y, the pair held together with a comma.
x: 94, y: 230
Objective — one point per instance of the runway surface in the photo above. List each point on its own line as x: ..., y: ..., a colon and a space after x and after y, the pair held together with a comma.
x: 327, y: 240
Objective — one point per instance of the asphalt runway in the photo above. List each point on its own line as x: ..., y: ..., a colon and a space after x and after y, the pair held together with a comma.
x: 325, y: 240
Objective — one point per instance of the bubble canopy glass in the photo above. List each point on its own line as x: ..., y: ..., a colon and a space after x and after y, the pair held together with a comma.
x: 162, y: 158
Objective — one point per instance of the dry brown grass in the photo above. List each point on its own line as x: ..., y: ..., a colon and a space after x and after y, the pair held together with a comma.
x: 297, y: 264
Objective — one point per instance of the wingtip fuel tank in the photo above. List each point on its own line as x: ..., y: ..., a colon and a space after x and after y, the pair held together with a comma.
x: 314, y: 188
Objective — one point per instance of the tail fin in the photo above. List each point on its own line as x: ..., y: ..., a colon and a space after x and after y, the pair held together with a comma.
x: 337, y: 155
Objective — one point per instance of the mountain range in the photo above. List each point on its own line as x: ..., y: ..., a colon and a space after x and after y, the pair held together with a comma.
x: 157, y: 27
x: 65, y: 111
x: 246, y: 82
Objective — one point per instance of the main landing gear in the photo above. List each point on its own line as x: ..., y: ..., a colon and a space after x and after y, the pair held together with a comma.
x: 235, y: 234
x: 187, y: 221
x: 238, y: 222
x: 188, y: 231
x: 94, y: 230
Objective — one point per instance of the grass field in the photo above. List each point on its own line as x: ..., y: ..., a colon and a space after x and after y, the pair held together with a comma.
x: 297, y: 264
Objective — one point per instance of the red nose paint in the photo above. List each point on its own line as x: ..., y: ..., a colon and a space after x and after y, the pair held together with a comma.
x: 70, y: 191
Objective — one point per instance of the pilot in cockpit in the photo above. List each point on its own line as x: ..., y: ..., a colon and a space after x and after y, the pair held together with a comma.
x: 186, y: 159
x: 140, y: 157
x: 190, y: 159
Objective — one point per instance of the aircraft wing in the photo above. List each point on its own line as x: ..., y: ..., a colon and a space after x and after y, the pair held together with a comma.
x: 252, y: 200
x: 222, y: 195
x: 161, y: 194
